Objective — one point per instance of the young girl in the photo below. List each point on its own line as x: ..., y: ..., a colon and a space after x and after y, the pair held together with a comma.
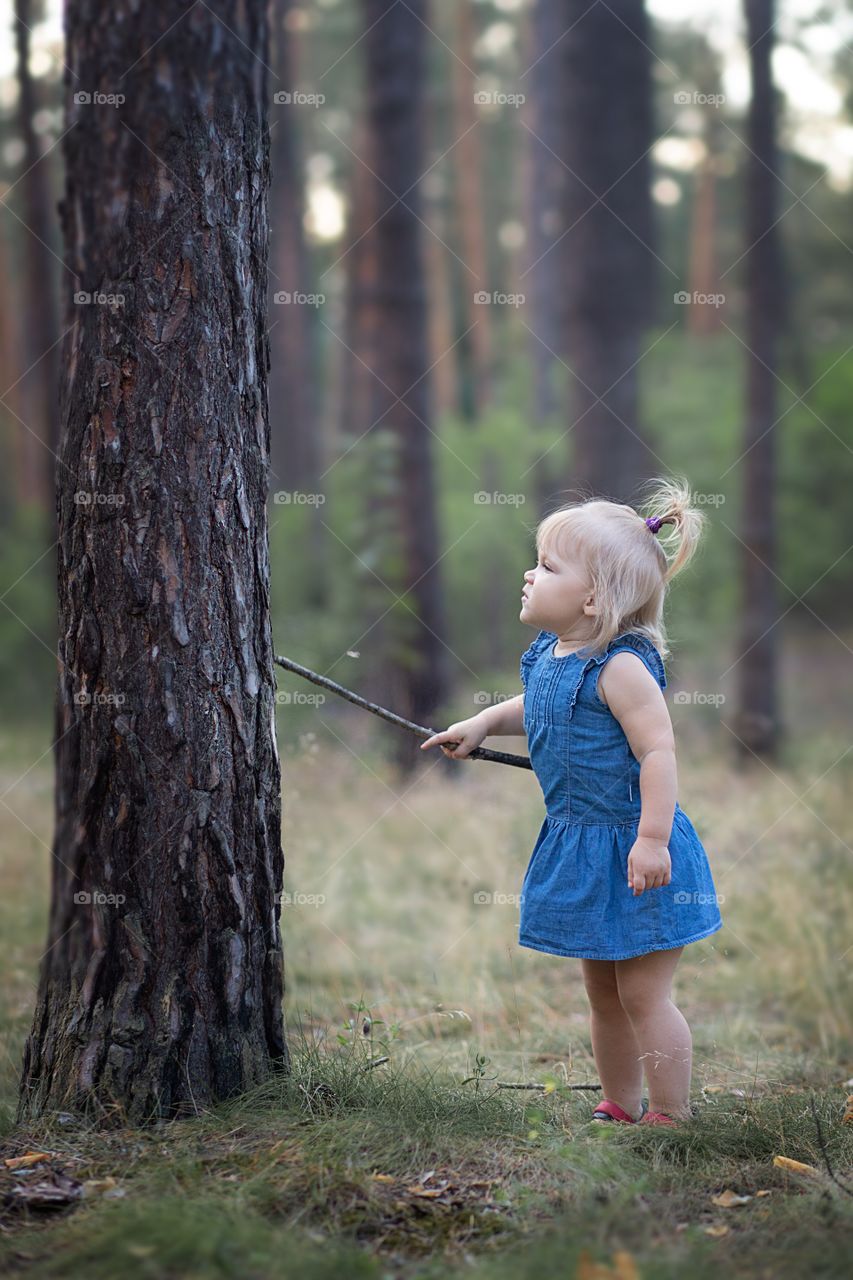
x: 618, y: 875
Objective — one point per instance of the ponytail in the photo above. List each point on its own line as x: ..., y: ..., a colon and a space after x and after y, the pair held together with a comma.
x: 671, y: 503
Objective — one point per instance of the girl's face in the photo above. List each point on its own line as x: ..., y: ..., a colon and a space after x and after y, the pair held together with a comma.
x: 556, y: 594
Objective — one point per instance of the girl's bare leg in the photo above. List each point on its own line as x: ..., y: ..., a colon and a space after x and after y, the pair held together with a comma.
x: 614, y: 1044
x: 661, y: 1031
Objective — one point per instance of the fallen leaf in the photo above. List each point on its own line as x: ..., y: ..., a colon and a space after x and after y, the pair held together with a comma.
x: 794, y: 1166
x: 54, y: 1191
x: 427, y: 1193
x: 728, y: 1199
x: 31, y: 1157
x: 382, y: 1177
x: 624, y: 1267
x: 99, y: 1186
x: 763, y: 1193
x: 847, y: 1118
x: 716, y: 1231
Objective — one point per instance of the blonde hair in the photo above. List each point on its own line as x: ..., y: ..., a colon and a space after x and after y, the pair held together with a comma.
x: 627, y: 565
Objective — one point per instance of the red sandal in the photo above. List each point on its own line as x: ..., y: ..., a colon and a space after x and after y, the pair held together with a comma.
x: 657, y: 1117
x: 608, y: 1110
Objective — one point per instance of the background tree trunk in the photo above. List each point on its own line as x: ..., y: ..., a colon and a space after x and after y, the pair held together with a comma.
x: 467, y: 157
x: 161, y: 986
x: 544, y: 194
x: 23, y: 472
x: 609, y: 247
x: 414, y: 656
x: 704, y: 319
x: 39, y: 444
x: 294, y: 374
x: 757, y: 719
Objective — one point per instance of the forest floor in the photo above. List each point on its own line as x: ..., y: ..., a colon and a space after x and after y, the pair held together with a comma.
x: 421, y: 1165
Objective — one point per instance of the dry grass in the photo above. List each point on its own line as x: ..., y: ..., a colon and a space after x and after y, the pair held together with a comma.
x: 397, y: 935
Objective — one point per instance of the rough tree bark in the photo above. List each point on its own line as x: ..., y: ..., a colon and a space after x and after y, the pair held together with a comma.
x: 161, y: 987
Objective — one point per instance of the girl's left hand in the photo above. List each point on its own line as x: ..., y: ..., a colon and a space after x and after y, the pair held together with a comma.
x: 649, y: 865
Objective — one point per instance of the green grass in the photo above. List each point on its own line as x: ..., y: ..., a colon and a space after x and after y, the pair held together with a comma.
x: 324, y: 1172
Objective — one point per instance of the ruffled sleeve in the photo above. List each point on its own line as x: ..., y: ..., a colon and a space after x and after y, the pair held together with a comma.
x: 543, y: 641
x: 633, y: 642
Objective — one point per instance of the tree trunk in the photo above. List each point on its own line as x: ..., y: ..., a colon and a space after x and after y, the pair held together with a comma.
x: 609, y: 246
x: 415, y: 659
x: 294, y: 374
x: 705, y: 318
x: 358, y: 351
x: 23, y: 474
x: 467, y: 157
x: 161, y: 986
x: 443, y: 349
x: 757, y: 719
x: 40, y: 439
x: 544, y: 196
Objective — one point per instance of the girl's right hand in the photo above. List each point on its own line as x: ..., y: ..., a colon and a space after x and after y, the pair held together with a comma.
x: 465, y: 734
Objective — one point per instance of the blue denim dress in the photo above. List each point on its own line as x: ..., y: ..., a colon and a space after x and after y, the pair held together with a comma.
x: 575, y: 898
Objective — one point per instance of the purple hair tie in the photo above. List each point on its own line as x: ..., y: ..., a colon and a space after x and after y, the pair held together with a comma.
x: 654, y: 523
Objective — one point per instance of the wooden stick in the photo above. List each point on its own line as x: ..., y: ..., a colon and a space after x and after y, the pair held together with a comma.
x: 510, y: 1084
x: 479, y: 753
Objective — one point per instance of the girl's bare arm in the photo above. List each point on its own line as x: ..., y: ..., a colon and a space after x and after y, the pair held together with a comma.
x: 504, y: 718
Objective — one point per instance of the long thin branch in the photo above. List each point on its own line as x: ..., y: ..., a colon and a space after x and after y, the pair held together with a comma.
x: 479, y: 753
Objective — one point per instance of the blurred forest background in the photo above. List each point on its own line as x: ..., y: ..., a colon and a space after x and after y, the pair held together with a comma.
x: 520, y: 251
x: 397, y: 553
